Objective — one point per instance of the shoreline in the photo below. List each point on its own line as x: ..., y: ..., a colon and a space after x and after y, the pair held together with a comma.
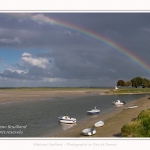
x: 114, y: 120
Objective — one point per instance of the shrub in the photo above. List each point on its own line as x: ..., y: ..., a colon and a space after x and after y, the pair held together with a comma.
x: 138, y: 128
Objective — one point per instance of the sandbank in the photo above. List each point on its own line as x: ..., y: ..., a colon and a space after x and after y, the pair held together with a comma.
x: 9, y: 95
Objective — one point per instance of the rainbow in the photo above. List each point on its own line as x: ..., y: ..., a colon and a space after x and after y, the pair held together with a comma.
x: 44, y: 19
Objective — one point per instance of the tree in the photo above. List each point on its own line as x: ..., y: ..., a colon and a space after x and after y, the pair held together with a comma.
x: 136, y: 82
x: 120, y: 83
x: 128, y: 83
x: 146, y: 83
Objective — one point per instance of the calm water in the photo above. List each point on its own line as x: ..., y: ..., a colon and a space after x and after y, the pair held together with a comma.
x: 40, y: 118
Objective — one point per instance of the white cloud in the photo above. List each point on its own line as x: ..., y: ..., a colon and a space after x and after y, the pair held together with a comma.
x: 15, y: 40
x: 40, y: 18
x: 38, y: 62
x: 13, y: 69
x: 18, y: 71
x: 26, y: 55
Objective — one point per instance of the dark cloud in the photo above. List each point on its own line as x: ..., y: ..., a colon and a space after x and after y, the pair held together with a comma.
x: 65, y: 56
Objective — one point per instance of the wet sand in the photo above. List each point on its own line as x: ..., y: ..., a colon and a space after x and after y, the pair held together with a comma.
x: 9, y: 95
x: 113, y: 121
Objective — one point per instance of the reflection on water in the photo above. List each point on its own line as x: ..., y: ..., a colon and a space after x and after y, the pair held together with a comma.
x: 93, y: 116
x: 67, y: 126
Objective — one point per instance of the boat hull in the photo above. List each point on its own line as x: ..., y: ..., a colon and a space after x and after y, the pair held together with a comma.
x: 99, y: 124
x: 67, y: 121
x: 130, y: 107
x: 118, y: 102
x: 89, y: 131
x: 92, y: 113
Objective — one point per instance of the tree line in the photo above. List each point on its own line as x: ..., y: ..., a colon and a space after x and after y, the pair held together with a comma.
x: 135, y: 82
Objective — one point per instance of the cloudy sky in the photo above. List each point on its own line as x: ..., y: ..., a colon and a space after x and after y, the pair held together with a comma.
x: 73, y: 49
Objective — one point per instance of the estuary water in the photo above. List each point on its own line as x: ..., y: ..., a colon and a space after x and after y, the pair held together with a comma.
x: 37, y: 118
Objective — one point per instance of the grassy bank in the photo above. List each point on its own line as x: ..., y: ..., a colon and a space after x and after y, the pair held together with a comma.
x: 130, y: 91
x: 138, y: 128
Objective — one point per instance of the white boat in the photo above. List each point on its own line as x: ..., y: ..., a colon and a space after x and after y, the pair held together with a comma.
x: 118, y: 102
x: 116, y: 87
x: 93, y: 111
x: 67, y: 119
x: 99, y: 123
x: 130, y: 107
x: 89, y: 131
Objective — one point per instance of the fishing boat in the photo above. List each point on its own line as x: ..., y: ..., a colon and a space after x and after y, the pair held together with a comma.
x: 89, y: 131
x: 118, y: 102
x: 67, y: 119
x: 99, y: 123
x: 93, y: 111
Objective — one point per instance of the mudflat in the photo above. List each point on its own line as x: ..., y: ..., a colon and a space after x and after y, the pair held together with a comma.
x: 7, y: 95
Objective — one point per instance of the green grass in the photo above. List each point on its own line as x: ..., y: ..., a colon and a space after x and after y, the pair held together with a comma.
x: 138, y: 128
x: 130, y: 90
x: 53, y: 88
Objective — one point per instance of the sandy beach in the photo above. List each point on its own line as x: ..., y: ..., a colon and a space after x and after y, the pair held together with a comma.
x: 114, y: 120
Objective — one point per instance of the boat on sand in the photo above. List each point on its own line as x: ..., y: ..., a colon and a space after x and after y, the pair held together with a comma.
x: 99, y: 123
x: 89, y: 131
x: 130, y: 107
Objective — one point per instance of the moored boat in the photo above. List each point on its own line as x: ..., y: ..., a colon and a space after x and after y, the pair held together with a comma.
x: 99, y: 123
x: 118, y: 102
x: 93, y: 111
x: 89, y: 131
x: 67, y: 119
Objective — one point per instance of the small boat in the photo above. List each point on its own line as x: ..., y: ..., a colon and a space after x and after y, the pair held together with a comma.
x: 130, y: 107
x: 93, y: 111
x: 89, y: 131
x: 99, y: 123
x: 118, y: 102
x: 116, y: 87
x: 67, y: 119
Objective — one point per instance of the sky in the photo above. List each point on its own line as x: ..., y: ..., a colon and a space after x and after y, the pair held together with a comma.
x: 73, y: 49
